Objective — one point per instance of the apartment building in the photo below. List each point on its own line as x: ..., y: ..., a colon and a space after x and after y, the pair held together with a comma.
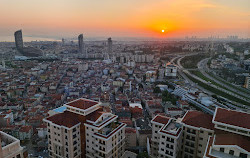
x: 232, y: 135
x: 197, y: 127
x: 170, y: 139
x: 83, y: 126
x: 181, y: 138
x: 158, y: 122
x: 200, y: 135
x: 10, y: 146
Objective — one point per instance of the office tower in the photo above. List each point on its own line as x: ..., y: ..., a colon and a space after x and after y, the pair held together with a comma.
x: 10, y: 146
x: 80, y: 44
x: 19, y: 40
x: 110, y: 45
x: 26, y: 51
x: 85, y: 130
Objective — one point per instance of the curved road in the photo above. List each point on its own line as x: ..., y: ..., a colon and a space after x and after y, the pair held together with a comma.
x: 202, y: 65
x: 214, y: 86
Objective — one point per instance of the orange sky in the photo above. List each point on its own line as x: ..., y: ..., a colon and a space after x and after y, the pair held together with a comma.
x: 130, y: 18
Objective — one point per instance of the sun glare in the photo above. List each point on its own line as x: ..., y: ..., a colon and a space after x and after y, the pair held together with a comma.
x: 162, y: 31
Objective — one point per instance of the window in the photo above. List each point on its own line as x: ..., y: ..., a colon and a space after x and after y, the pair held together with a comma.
x: 66, y: 131
x: 242, y: 155
x: 202, y: 132
x: 200, y: 145
x: 231, y: 152
x: 222, y: 150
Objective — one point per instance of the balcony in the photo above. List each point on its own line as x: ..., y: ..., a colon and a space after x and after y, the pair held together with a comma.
x: 110, y: 129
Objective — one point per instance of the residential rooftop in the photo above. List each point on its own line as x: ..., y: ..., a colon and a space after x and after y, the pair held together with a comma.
x: 232, y: 117
x: 82, y: 103
x: 198, y: 119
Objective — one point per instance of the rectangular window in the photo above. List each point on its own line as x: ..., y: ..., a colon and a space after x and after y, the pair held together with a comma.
x: 231, y: 152
x: 242, y: 155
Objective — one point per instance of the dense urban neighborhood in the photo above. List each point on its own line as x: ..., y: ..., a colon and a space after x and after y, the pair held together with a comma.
x: 108, y: 98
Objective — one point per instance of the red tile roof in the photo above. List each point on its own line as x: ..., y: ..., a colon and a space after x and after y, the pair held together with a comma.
x: 233, y: 139
x: 130, y: 130
x: 95, y: 115
x: 198, y: 119
x: 67, y: 119
x: 161, y: 119
x: 232, y: 117
x: 82, y: 103
x: 25, y: 129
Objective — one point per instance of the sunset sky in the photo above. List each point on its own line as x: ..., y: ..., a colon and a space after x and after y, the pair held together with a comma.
x: 125, y: 18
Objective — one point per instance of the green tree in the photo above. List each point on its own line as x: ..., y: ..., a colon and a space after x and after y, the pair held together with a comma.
x: 157, y: 90
x: 142, y: 155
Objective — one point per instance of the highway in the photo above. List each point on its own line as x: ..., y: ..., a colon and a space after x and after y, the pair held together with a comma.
x: 202, y: 66
x: 181, y: 70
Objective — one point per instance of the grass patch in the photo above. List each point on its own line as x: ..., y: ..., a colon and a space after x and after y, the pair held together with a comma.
x: 190, y: 62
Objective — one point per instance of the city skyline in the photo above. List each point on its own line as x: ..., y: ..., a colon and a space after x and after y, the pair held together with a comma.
x: 143, y: 19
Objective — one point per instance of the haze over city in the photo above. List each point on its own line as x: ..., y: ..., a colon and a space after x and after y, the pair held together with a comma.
x: 141, y: 18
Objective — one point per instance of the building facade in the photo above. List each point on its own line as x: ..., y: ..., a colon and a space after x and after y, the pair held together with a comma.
x: 19, y: 40
x: 232, y: 135
x: 80, y: 44
x: 84, y: 130
x: 170, y: 70
x: 200, y: 135
x: 10, y: 146
x: 110, y: 46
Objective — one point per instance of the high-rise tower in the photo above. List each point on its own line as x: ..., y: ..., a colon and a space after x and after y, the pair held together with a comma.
x: 19, y: 40
x: 80, y: 43
x: 109, y: 45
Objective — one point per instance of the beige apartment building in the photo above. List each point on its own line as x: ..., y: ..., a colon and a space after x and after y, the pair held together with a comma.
x: 232, y: 135
x: 197, y: 127
x: 199, y: 135
x: 10, y: 146
x: 85, y: 130
x: 170, y: 139
x: 185, y: 138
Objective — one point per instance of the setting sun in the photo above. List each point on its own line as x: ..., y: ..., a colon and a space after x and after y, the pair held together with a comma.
x: 162, y: 30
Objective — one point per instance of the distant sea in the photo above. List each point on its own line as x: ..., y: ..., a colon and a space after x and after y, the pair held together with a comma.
x: 28, y: 38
